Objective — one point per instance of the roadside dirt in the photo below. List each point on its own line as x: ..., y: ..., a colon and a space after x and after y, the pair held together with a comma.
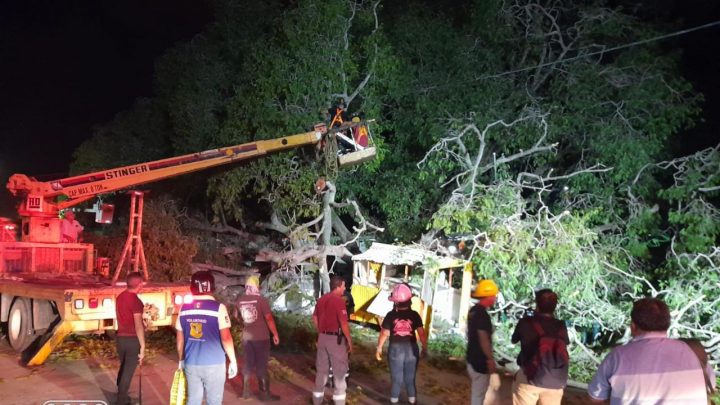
x: 78, y: 375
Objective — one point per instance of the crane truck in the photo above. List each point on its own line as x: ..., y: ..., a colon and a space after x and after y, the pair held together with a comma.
x: 50, y: 288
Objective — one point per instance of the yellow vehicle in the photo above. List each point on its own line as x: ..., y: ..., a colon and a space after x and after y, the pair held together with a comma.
x: 50, y: 288
x: 441, y: 285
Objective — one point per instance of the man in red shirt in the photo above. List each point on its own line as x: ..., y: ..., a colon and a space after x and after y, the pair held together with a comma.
x: 334, y: 343
x: 130, y: 334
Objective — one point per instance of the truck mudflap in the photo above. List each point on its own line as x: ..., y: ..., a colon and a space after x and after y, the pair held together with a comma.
x: 40, y: 349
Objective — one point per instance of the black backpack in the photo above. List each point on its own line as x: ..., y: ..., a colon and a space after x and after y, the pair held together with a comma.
x: 548, y: 366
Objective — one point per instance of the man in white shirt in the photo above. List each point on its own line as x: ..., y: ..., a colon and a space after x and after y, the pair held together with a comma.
x: 70, y: 229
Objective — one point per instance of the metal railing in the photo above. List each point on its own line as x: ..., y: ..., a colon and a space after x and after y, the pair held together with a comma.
x: 31, y: 257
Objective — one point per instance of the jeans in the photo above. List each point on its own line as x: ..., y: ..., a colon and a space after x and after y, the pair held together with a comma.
x: 403, y: 359
x: 128, y: 348
x: 479, y: 384
x: 257, y: 354
x: 205, y: 380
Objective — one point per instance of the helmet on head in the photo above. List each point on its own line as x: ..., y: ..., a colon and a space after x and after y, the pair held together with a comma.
x: 485, y: 288
x: 202, y: 282
x: 253, y: 281
x: 400, y: 293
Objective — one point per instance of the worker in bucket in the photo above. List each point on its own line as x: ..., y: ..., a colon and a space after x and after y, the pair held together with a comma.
x: 402, y: 325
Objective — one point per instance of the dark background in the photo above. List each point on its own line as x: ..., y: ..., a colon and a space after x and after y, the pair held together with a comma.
x: 66, y: 65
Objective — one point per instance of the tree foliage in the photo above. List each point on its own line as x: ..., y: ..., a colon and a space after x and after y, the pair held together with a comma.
x: 137, y: 135
x: 525, y: 125
x: 168, y: 251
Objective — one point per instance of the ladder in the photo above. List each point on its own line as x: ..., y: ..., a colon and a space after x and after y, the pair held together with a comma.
x: 133, y: 245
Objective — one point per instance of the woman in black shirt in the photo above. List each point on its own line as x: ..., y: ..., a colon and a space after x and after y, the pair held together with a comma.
x: 400, y: 325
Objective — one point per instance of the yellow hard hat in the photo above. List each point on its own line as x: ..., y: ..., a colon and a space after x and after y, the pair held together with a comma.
x: 253, y: 281
x: 485, y: 288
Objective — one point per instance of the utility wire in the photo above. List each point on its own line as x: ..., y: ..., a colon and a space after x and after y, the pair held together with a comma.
x: 587, y: 55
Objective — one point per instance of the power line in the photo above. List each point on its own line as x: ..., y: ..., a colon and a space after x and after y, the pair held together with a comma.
x: 587, y: 55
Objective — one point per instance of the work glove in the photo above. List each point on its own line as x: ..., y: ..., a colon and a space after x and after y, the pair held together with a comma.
x: 181, y: 364
x: 232, y: 370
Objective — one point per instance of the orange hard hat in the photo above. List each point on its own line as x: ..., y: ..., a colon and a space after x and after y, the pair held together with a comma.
x: 485, y: 288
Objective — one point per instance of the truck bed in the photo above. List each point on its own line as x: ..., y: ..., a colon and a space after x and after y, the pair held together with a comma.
x: 54, y: 287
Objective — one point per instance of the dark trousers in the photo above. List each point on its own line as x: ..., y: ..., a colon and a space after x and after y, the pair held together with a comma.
x: 128, y: 348
x: 257, y: 353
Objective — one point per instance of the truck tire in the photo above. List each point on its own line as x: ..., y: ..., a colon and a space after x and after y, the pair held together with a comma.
x: 19, y: 328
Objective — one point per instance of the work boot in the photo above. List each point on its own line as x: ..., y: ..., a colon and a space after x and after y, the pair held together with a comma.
x: 265, y: 394
x: 246, y: 394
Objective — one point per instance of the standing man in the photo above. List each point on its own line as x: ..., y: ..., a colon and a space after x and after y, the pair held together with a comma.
x: 203, y: 340
x: 130, y: 334
x: 334, y: 342
x: 543, y: 370
x: 650, y: 368
x: 70, y: 229
x: 257, y: 319
x: 480, y: 360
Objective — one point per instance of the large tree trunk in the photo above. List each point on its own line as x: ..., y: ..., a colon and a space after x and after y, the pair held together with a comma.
x: 327, y: 226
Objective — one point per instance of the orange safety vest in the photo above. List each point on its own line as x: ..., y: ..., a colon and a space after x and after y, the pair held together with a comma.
x: 337, y: 119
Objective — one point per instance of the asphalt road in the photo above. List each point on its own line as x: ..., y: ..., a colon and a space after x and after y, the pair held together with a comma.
x: 92, y: 379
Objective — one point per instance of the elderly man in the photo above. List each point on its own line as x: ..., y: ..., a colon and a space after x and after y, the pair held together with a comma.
x: 70, y: 229
x: 651, y: 368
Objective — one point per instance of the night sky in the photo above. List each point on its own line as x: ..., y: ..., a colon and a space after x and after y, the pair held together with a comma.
x: 68, y: 65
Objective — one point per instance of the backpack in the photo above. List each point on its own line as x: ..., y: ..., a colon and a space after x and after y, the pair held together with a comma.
x: 548, y: 366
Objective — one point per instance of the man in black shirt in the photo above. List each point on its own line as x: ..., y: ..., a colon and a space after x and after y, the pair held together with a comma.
x: 480, y: 360
x: 536, y: 381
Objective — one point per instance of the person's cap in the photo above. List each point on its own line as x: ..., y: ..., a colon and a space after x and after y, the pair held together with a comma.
x: 202, y: 282
x: 485, y: 288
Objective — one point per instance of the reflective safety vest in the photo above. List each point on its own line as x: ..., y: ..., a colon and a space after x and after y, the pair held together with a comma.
x: 201, y: 329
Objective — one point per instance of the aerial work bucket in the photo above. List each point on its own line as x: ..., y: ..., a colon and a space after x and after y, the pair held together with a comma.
x: 355, y: 143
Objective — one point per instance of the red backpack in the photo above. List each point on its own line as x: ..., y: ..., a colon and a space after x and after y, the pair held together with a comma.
x: 548, y: 367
